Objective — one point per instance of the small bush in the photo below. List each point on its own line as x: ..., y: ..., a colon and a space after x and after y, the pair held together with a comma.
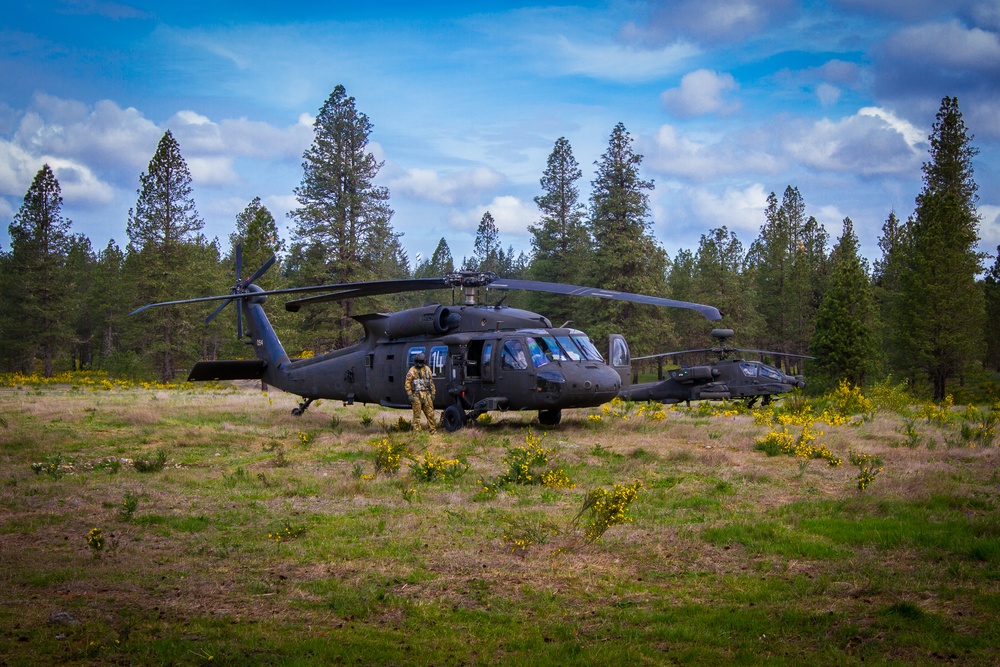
x: 603, y: 509
x: 433, y: 467
x: 146, y: 463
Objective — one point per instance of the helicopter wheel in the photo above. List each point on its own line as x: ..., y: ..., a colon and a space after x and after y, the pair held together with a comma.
x: 453, y: 418
x: 549, y: 417
x: 297, y: 412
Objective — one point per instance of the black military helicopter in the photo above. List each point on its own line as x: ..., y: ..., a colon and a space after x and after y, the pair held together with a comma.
x: 483, y: 357
x: 720, y: 378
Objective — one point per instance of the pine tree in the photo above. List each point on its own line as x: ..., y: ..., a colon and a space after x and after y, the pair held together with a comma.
x: 722, y: 280
x: 886, y: 280
x: 440, y: 263
x: 41, y: 307
x: 844, y: 341
x: 110, y: 309
x: 626, y: 256
x: 689, y: 327
x: 789, y: 267
x: 560, y: 241
x: 257, y: 233
x: 164, y: 243
x: 991, y: 290
x: 942, y: 306
x: 343, y: 231
x: 488, y: 254
x: 81, y: 264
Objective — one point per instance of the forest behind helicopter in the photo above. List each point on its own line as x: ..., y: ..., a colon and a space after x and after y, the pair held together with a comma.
x: 927, y: 311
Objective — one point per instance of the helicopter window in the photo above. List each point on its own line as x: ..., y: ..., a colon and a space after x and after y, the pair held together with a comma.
x: 436, y: 359
x: 552, y: 350
x: 572, y: 351
x: 771, y: 373
x: 512, y: 356
x: 537, y: 355
x: 487, y: 353
x: 619, y: 353
x: 750, y: 370
x: 588, y: 349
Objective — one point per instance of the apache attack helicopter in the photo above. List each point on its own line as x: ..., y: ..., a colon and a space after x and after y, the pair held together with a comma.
x: 721, y: 378
x: 483, y: 357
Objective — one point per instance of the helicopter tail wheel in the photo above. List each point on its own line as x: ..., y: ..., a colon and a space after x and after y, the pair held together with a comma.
x: 549, y: 417
x: 453, y: 418
x: 302, y: 407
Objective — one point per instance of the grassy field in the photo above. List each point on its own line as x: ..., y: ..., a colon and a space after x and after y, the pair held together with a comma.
x: 230, y: 532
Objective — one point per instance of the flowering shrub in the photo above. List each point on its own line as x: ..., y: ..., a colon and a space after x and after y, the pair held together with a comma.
x: 95, y: 540
x: 286, y: 532
x: 869, y: 467
x: 524, y: 466
x: 603, y: 509
x: 433, y: 467
x: 388, y: 457
x: 783, y: 442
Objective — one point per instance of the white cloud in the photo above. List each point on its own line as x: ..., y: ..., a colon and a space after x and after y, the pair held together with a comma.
x: 512, y: 216
x: 621, y: 62
x: 674, y: 153
x: 828, y: 94
x: 461, y: 187
x: 947, y: 45
x: 989, y: 228
x: 701, y: 92
x: 870, y: 142
x: 737, y: 209
x: 709, y: 21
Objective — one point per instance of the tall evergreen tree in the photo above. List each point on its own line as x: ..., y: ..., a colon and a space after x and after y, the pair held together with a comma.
x: 257, y: 233
x: 110, y: 308
x: 789, y: 265
x: 943, y: 310
x: 721, y: 279
x: 626, y: 255
x: 81, y: 265
x: 343, y: 231
x: 688, y: 326
x: 488, y: 254
x: 560, y: 241
x: 440, y: 262
x: 844, y: 341
x: 42, y: 307
x: 163, y: 250
x: 886, y: 279
x: 991, y: 290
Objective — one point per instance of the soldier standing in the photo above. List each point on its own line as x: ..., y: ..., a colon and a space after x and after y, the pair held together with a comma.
x: 420, y: 391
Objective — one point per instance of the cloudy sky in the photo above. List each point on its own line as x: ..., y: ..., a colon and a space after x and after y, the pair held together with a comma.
x: 728, y: 100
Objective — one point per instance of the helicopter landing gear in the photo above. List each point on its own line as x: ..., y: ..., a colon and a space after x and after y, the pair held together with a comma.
x: 549, y: 417
x: 453, y: 418
x: 302, y: 407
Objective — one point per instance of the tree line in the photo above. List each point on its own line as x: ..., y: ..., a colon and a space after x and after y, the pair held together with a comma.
x: 925, y: 312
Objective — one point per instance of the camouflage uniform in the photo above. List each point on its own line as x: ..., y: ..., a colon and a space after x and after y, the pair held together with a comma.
x: 420, y: 390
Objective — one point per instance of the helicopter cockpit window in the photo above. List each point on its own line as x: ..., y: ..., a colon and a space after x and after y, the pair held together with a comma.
x: 537, y: 355
x: 749, y: 370
x: 572, y: 351
x: 771, y: 373
x: 588, y: 349
x: 512, y: 356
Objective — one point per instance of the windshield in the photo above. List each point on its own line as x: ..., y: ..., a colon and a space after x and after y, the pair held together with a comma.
x: 588, y: 349
x: 572, y: 351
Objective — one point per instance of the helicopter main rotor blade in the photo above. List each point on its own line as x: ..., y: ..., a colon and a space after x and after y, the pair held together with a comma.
x: 708, y: 312
x: 210, y: 317
x: 375, y: 288
x: 772, y: 353
x: 674, y: 354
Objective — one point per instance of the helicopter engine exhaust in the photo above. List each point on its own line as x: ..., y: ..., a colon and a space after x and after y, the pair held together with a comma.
x: 426, y: 322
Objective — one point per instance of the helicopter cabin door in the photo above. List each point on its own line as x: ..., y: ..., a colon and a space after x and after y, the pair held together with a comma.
x: 620, y: 359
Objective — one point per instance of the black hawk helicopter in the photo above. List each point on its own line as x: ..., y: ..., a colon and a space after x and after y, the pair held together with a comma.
x: 721, y: 378
x: 482, y: 357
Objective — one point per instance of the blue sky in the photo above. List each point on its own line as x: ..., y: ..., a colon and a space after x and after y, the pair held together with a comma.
x: 727, y: 100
